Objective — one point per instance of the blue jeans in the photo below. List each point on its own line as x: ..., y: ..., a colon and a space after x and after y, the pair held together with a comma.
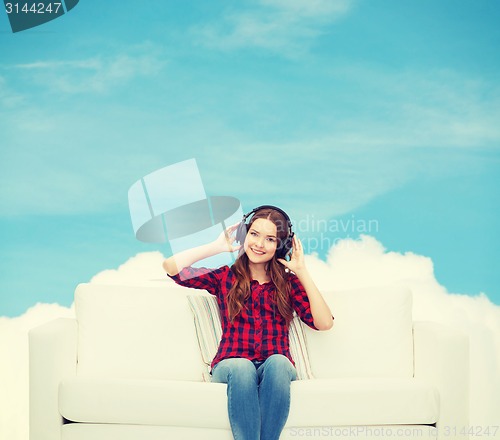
x: 258, y: 395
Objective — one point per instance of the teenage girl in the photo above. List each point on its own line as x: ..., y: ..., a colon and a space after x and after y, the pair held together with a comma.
x: 257, y: 297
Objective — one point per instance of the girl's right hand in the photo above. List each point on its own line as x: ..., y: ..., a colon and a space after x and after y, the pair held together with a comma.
x: 225, y: 241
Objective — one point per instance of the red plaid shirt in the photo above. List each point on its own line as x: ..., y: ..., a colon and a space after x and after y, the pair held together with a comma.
x: 259, y: 330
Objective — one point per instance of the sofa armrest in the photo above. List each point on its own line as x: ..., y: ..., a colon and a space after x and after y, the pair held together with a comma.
x: 52, y: 358
x: 441, y: 357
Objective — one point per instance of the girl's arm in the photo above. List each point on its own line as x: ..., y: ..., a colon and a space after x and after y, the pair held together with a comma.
x: 322, y: 314
x: 224, y: 243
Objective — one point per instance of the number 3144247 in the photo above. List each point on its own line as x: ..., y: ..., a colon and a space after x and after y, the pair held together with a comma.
x: 33, y: 8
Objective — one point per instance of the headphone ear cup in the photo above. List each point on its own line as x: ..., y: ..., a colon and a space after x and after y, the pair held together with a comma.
x: 287, y: 246
x: 283, y: 249
x: 281, y: 253
x: 241, y: 232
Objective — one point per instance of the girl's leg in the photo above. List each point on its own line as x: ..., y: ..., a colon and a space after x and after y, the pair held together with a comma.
x: 242, y: 396
x: 275, y: 376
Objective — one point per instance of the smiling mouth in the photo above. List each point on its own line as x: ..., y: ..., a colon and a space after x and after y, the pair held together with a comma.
x: 257, y: 252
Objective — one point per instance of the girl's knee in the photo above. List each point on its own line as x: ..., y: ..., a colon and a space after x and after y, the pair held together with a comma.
x: 278, y: 359
x: 278, y: 364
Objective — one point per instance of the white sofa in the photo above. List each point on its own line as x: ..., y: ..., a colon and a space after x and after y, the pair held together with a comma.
x: 129, y: 368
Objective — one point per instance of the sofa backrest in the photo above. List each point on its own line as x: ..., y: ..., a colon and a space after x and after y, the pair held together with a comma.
x: 136, y: 332
x: 148, y: 332
x: 372, y: 335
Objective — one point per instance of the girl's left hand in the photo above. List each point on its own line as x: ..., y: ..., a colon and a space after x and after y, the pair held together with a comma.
x: 296, y: 263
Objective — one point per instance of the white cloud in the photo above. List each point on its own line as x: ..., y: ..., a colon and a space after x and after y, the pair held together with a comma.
x: 144, y: 268
x: 448, y: 109
x: 280, y: 26
x: 98, y: 74
x: 422, y: 109
x: 91, y: 64
x: 321, y: 9
x: 350, y: 264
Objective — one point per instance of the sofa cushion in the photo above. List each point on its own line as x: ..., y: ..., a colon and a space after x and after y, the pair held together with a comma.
x: 144, y: 402
x: 363, y: 401
x: 371, y: 337
x: 316, y: 402
x: 209, y: 332
x: 136, y: 332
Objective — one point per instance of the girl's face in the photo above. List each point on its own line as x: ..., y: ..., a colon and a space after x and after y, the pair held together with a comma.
x: 261, y: 241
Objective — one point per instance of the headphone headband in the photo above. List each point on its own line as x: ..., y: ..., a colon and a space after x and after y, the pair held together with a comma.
x: 283, y: 213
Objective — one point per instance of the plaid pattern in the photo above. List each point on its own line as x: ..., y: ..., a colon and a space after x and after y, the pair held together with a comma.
x: 259, y: 330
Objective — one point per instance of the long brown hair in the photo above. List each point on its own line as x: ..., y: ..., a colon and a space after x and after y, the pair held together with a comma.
x: 240, y: 291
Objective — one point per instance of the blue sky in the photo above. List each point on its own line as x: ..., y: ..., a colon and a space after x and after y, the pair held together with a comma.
x: 334, y: 110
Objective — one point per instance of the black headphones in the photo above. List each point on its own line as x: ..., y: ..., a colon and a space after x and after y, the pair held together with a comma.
x: 284, y: 247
